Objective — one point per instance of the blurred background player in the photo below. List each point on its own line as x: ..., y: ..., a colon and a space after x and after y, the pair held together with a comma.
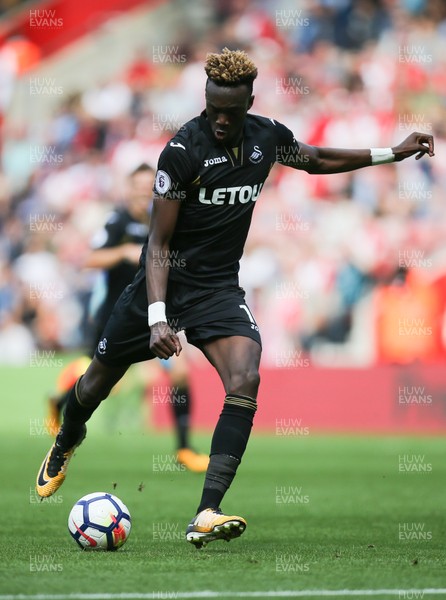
x: 116, y: 251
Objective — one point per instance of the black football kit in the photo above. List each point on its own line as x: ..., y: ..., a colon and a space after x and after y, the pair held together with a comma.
x: 218, y: 188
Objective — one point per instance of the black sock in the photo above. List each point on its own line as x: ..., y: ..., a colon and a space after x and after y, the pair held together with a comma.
x: 75, y: 417
x: 228, y: 446
x: 181, y: 410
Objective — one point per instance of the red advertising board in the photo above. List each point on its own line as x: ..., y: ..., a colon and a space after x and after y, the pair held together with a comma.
x: 380, y: 400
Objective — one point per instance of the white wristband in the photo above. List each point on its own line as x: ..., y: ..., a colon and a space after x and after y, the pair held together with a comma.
x: 381, y: 156
x: 157, y: 313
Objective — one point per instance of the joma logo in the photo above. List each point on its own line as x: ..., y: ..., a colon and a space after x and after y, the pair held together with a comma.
x: 215, y: 161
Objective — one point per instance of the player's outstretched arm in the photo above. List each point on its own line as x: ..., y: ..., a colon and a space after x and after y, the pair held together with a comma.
x: 338, y: 160
x: 163, y: 341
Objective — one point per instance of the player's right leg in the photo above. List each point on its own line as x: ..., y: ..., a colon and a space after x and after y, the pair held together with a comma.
x: 65, y: 381
x: 85, y: 396
x: 125, y: 340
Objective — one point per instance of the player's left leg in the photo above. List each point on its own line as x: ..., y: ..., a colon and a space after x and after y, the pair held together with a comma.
x: 236, y: 359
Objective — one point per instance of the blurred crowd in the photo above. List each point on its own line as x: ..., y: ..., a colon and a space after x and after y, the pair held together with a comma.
x: 346, y: 269
x: 6, y: 5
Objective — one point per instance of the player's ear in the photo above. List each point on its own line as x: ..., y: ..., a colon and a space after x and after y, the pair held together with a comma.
x: 251, y: 102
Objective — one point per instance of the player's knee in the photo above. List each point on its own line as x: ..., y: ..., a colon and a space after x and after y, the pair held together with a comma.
x: 245, y: 381
x: 97, y: 382
x: 92, y: 390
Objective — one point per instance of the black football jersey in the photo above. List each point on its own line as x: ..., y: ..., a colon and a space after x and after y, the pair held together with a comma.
x: 121, y: 228
x: 218, y: 187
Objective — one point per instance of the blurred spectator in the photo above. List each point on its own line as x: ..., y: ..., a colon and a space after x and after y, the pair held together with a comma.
x: 324, y: 261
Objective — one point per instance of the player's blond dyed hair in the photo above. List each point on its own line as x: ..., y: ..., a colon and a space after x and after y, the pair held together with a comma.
x: 231, y: 68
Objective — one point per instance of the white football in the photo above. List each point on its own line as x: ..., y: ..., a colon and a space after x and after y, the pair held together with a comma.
x: 99, y: 521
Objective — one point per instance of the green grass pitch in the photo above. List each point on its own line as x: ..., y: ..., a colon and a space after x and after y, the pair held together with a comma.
x: 324, y: 513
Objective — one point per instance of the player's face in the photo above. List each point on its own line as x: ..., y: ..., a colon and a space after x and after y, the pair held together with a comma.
x: 140, y: 194
x: 226, y: 109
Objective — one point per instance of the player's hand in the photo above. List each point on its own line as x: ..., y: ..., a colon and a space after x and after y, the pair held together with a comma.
x: 163, y: 341
x: 417, y: 143
x: 131, y: 253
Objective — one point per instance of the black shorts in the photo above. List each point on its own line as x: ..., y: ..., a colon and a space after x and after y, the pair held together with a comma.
x: 203, y: 314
